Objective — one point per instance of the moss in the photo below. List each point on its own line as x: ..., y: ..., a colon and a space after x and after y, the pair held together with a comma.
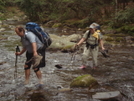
x: 78, y: 78
x: 75, y: 22
x: 57, y: 25
x: 68, y: 46
x: 84, y: 81
x: 109, y: 39
x: 127, y: 29
x: 116, y: 35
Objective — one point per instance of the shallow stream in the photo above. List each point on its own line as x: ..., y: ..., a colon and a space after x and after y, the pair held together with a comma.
x: 115, y: 72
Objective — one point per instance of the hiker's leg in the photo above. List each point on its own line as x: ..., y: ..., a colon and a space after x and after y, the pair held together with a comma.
x: 27, y: 67
x: 94, y: 53
x: 85, y: 55
x: 42, y: 64
x: 27, y: 74
x: 39, y: 75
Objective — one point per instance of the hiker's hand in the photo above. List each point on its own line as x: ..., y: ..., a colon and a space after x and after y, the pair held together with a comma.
x: 76, y: 47
x: 103, y: 48
x: 18, y: 53
x: 36, y: 60
x: 35, y: 53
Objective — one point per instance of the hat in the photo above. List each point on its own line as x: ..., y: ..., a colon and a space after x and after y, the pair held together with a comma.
x: 94, y: 26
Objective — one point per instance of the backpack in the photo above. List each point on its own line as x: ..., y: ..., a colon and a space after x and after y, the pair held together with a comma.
x: 42, y: 35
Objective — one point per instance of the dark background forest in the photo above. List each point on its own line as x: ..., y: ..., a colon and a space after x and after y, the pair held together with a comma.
x: 117, y: 14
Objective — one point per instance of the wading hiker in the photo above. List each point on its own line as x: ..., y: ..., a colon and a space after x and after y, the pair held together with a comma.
x: 35, y: 53
x: 93, y: 38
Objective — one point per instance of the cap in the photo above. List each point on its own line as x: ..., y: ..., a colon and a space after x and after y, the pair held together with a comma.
x: 94, y: 26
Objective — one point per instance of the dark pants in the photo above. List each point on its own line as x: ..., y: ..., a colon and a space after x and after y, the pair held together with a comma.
x: 30, y: 55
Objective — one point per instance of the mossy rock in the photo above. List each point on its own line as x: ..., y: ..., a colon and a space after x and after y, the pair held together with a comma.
x: 84, y: 81
x: 57, y: 25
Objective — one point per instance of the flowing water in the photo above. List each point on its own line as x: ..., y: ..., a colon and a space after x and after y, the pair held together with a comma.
x: 114, y: 73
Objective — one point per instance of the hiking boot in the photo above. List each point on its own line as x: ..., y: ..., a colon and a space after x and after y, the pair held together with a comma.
x: 105, y: 53
x: 36, y: 60
x: 82, y: 67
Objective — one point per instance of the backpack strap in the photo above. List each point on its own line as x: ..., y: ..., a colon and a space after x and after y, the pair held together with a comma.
x: 88, y: 35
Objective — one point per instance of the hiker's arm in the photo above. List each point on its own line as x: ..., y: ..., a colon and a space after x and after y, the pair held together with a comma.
x: 80, y: 42
x: 21, y: 52
x: 101, y: 44
x: 85, y: 36
x: 34, y: 47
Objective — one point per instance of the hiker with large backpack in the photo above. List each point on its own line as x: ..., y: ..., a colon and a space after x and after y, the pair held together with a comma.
x: 93, y: 38
x: 34, y: 48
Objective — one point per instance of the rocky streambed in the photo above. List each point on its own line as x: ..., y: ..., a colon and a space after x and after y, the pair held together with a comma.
x: 114, y: 73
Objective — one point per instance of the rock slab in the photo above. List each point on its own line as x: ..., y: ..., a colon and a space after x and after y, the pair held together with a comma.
x: 106, y: 95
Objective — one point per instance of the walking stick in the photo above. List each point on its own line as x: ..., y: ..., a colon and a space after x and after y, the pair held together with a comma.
x: 15, y: 73
x: 74, y: 54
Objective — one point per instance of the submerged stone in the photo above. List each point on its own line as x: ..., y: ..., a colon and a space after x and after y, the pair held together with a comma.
x: 84, y: 81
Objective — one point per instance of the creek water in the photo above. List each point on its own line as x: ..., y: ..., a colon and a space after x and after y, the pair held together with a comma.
x: 114, y: 73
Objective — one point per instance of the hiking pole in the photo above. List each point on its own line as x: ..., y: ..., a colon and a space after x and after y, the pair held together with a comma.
x: 15, y: 73
x: 74, y: 54
x: 73, y: 57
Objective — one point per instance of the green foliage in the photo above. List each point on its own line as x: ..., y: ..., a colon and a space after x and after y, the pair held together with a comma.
x: 77, y: 13
x: 2, y: 4
x: 36, y: 10
x: 128, y: 29
x: 123, y: 20
x: 126, y: 16
x: 60, y: 10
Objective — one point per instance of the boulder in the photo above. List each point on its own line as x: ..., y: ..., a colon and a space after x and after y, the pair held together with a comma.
x: 62, y: 42
x: 84, y: 81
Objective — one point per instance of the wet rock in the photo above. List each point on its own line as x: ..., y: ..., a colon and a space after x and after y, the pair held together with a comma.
x: 21, y: 90
x: 65, y: 90
x: 84, y: 81
x: 37, y: 96
x: 74, y: 37
x: 2, y: 29
x: 61, y: 43
x: 106, y: 95
x: 1, y: 63
x: 129, y: 39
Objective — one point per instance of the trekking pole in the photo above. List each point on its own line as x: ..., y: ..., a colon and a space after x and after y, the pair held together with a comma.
x: 74, y: 54
x: 15, y: 73
x: 73, y: 57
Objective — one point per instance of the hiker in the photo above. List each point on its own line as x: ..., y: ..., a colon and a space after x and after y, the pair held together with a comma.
x: 93, y: 38
x: 35, y: 53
